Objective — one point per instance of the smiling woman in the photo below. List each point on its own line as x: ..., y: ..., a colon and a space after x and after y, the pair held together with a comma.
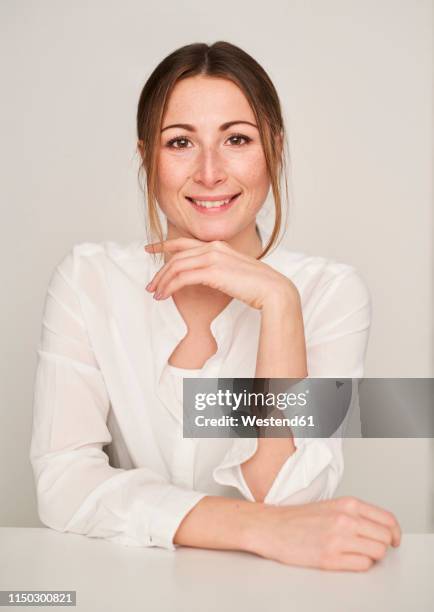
x: 122, y: 329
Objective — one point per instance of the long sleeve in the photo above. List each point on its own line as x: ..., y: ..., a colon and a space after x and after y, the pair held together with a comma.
x: 336, y: 347
x: 77, y: 490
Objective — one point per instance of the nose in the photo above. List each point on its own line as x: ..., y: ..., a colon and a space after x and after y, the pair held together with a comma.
x: 210, y: 169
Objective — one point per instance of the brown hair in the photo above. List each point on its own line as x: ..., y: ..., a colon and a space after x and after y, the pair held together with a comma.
x: 222, y: 60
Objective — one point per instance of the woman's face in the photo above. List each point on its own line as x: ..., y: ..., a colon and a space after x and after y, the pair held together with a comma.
x: 210, y: 150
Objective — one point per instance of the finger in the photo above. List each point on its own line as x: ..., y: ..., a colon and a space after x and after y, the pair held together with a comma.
x: 384, y: 517
x: 374, y: 530
x: 181, y: 255
x: 217, y: 270
x: 179, y: 244
x: 168, y: 285
x: 197, y: 276
x: 364, y: 546
x: 173, y: 244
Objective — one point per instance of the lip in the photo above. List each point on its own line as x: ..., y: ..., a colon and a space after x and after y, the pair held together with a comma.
x: 213, y: 198
x: 218, y: 210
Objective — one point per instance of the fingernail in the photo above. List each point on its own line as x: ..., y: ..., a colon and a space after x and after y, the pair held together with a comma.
x: 157, y: 296
x: 148, y: 286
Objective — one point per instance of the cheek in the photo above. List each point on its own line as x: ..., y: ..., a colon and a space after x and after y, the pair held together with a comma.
x: 171, y: 173
x: 171, y: 176
x: 252, y: 169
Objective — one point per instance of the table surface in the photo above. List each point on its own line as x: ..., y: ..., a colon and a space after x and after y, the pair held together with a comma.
x: 112, y: 577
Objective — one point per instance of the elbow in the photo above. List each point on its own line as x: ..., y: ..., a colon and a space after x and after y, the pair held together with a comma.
x: 51, y: 499
x: 52, y: 511
x: 50, y: 519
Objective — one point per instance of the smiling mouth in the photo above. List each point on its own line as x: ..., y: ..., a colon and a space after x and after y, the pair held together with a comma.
x: 215, y: 204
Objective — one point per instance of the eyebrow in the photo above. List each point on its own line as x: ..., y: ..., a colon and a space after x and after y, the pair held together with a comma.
x: 222, y: 128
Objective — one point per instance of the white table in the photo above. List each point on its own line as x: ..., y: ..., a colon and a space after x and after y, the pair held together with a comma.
x: 110, y: 577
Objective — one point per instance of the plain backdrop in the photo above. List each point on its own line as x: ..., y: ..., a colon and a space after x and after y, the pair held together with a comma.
x: 355, y: 82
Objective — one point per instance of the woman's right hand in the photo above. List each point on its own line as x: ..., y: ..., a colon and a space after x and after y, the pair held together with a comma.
x: 344, y: 533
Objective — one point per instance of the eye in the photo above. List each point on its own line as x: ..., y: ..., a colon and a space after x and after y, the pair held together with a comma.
x: 242, y: 137
x: 178, y: 139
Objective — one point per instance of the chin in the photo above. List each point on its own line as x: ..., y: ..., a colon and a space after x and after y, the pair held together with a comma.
x: 208, y: 235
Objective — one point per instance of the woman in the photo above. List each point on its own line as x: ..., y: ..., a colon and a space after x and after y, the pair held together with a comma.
x: 221, y: 303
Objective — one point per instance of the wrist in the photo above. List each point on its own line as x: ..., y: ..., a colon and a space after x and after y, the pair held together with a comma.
x: 255, y: 533
x: 284, y: 301
x: 256, y: 527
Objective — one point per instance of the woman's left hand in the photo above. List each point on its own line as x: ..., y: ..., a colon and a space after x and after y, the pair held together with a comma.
x: 217, y: 265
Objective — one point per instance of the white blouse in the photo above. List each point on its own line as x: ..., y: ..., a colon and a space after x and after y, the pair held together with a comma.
x: 107, y: 450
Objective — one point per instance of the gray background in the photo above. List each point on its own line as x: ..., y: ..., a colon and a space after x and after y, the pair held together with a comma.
x: 355, y: 81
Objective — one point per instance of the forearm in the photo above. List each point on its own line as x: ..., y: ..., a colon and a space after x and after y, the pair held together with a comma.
x: 221, y: 523
x: 281, y: 354
x: 282, y: 345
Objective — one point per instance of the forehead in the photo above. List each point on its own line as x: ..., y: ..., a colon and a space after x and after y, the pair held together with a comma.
x: 197, y: 98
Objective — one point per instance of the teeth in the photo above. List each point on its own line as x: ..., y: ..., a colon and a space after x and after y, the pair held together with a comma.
x: 212, y: 204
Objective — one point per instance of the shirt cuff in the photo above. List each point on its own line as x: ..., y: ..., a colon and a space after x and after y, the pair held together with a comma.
x: 311, y: 458
x: 172, y: 509
x: 228, y: 471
